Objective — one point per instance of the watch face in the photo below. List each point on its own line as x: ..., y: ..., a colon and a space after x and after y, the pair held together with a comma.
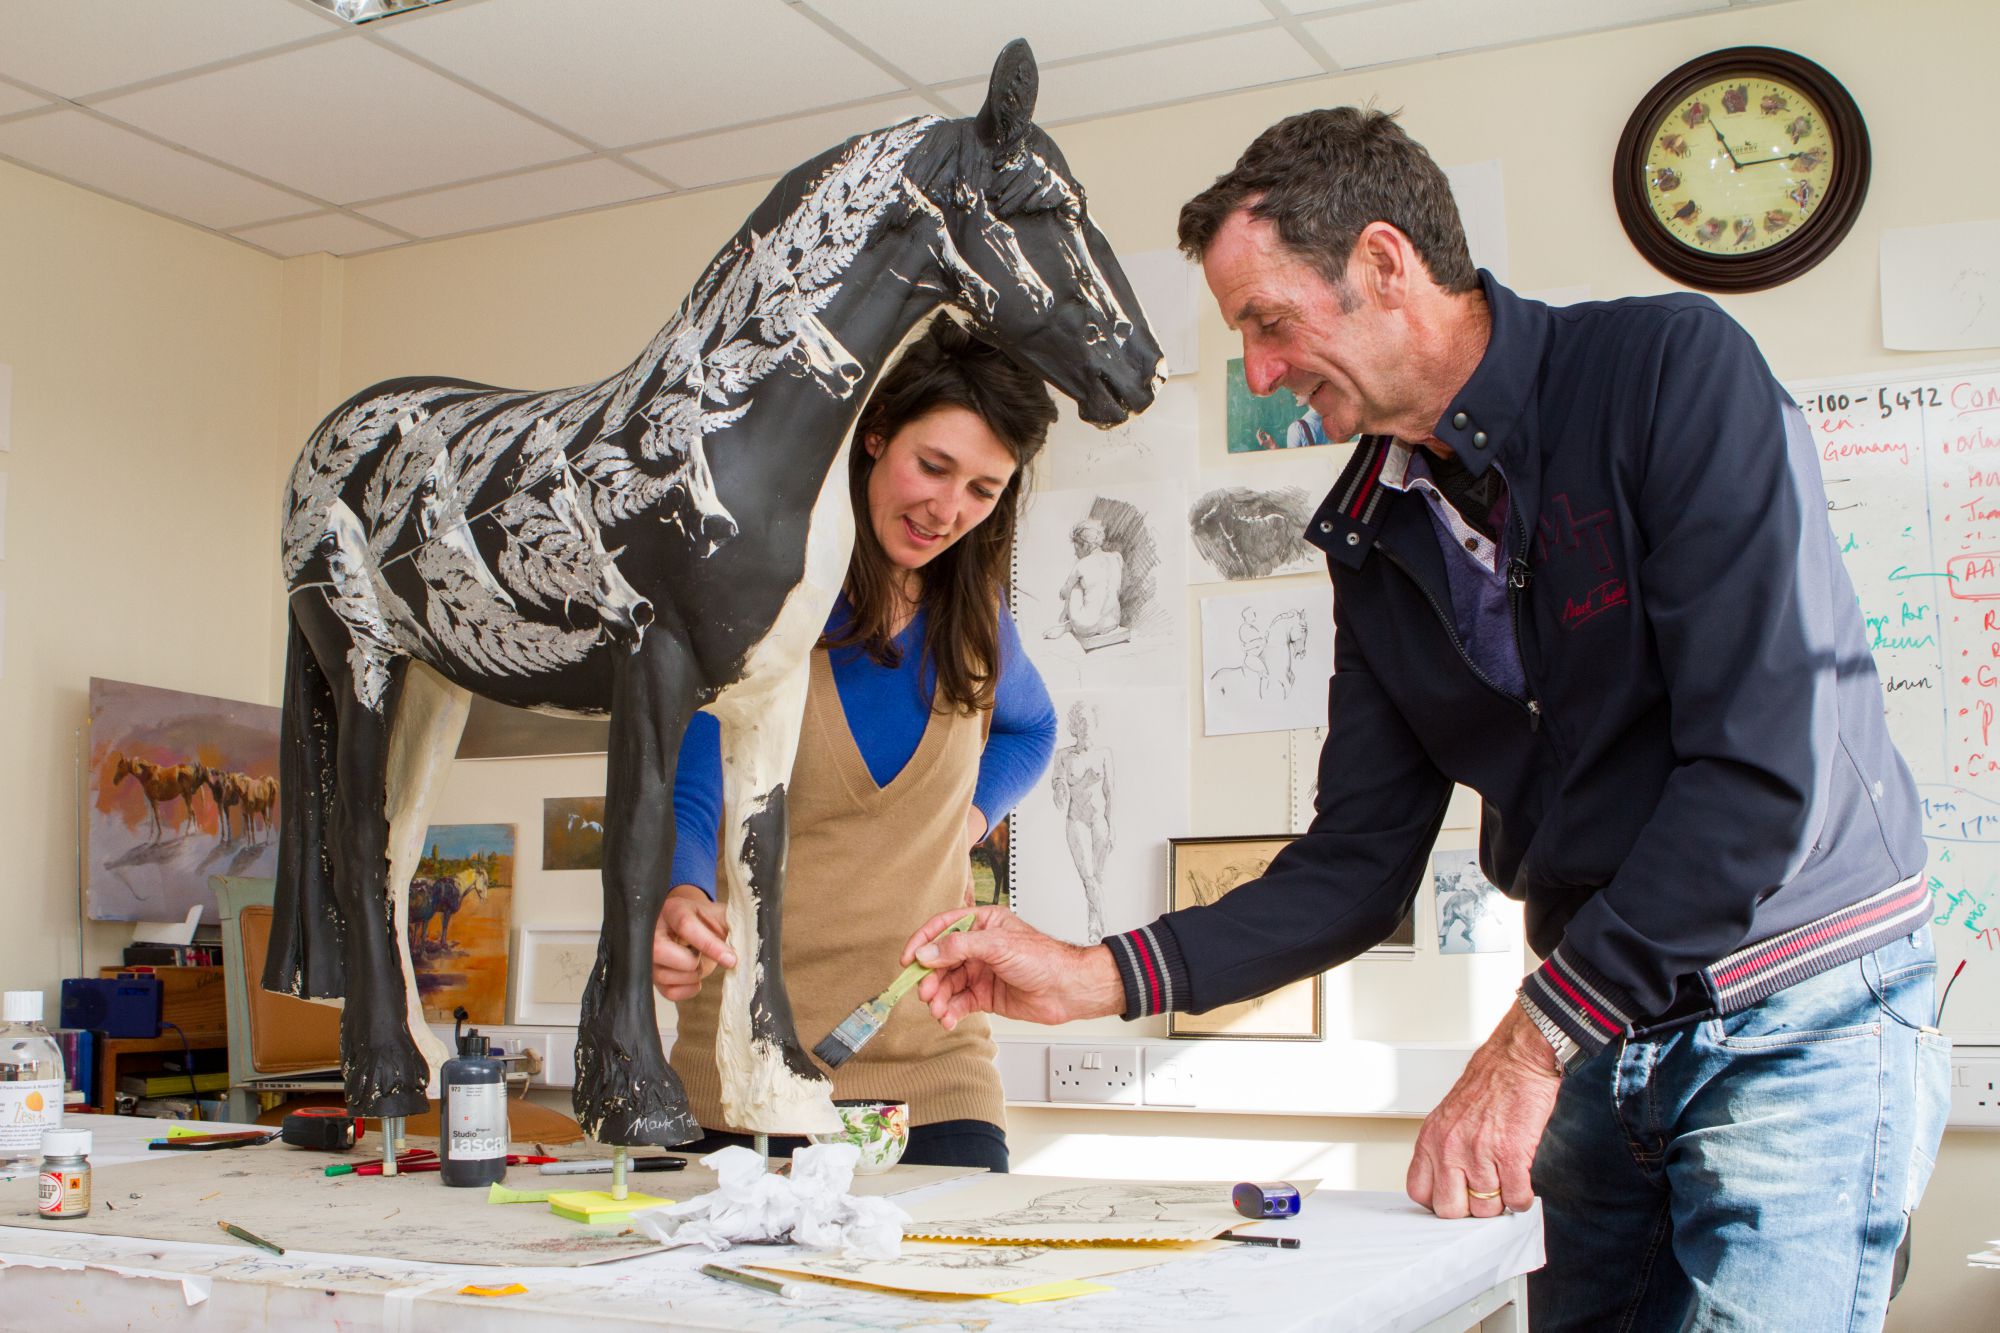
x: 1738, y: 165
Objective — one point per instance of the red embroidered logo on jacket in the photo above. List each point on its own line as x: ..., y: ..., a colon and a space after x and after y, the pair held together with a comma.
x: 1562, y: 531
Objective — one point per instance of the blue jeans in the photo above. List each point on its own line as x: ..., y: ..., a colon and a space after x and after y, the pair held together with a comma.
x: 1749, y: 1172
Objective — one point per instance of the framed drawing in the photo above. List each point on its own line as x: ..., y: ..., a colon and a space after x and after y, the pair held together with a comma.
x: 551, y: 965
x: 1204, y: 869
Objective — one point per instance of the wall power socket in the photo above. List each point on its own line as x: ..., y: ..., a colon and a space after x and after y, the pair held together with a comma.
x: 1094, y: 1074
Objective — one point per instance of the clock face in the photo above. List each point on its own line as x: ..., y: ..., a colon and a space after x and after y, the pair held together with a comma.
x: 1738, y: 165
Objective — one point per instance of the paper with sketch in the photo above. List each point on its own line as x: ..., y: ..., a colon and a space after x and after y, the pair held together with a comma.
x: 1482, y: 207
x: 1941, y: 286
x: 1250, y: 522
x: 979, y: 1270
x: 1059, y: 1210
x: 1170, y: 290
x: 1100, y: 578
x: 1157, y: 445
x: 1265, y: 660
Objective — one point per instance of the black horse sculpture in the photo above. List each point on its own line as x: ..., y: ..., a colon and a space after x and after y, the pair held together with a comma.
x: 667, y: 539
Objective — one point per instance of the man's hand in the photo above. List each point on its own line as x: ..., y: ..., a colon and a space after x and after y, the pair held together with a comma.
x: 1005, y: 966
x: 1483, y: 1135
x: 689, y: 939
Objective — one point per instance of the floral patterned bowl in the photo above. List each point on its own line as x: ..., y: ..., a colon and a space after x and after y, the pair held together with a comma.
x: 881, y: 1130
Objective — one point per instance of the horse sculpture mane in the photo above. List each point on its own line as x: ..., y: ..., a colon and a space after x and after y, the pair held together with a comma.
x: 668, y: 538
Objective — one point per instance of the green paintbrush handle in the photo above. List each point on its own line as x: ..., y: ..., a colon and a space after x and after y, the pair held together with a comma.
x: 914, y: 973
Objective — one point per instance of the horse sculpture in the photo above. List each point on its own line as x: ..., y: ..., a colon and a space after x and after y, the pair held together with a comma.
x: 667, y: 539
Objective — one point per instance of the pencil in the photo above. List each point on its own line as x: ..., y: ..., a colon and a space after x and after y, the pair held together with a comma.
x: 789, y: 1290
x: 1279, y: 1242
x: 253, y: 1238
x: 856, y: 1029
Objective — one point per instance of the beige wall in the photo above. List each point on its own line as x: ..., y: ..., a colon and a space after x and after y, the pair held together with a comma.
x: 154, y: 367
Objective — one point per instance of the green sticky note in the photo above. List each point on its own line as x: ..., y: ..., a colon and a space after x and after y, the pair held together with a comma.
x: 501, y: 1194
x: 1050, y: 1291
x: 179, y: 1131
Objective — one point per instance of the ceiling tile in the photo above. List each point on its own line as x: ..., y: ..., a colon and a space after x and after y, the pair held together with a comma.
x: 1168, y: 74
x: 915, y: 36
x: 335, y: 233
x: 81, y: 148
x: 343, y: 121
x: 770, y: 150
x: 14, y: 99
x: 640, y: 70
x: 523, y: 198
x: 1420, y: 28
x: 74, y: 49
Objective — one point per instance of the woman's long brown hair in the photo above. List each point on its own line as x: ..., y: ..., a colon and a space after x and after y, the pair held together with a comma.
x: 960, y: 589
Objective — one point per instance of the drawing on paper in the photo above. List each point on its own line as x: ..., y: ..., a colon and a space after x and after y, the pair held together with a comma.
x: 1204, y: 870
x: 1266, y: 658
x: 1088, y: 848
x: 1243, y: 532
x: 972, y: 1269
x: 1097, y: 580
x: 1080, y: 778
x: 1472, y: 914
x: 1050, y: 1209
x: 1158, y: 445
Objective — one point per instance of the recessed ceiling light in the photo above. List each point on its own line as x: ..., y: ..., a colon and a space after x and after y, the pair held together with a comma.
x: 360, y: 11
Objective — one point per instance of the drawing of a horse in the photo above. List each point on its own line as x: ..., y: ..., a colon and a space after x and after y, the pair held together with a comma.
x: 1270, y: 666
x: 666, y: 539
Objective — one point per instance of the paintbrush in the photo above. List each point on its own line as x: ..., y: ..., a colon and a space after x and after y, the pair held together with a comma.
x: 855, y: 1030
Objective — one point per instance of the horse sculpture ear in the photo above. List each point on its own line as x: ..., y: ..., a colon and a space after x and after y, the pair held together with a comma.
x: 1009, y: 112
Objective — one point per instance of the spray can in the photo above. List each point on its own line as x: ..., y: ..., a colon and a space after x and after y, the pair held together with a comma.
x: 473, y: 1120
x: 31, y: 1081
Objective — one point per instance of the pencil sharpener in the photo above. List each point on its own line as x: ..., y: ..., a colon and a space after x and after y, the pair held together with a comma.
x: 1261, y: 1199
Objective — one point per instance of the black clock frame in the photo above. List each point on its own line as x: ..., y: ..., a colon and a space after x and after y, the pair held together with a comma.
x: 1817, y: 234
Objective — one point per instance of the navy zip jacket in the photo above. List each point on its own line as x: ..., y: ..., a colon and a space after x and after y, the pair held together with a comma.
x: 1696, y: 795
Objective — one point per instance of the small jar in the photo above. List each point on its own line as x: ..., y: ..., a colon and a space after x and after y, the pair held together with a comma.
x: 65, y: 1183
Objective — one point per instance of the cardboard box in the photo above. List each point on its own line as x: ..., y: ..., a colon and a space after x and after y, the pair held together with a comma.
x: 189, y: 996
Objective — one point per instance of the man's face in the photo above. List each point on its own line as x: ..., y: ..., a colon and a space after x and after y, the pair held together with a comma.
x: 1298, y: 333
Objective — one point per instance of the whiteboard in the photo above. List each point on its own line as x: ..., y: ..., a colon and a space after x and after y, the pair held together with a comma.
x: 1912, y: 468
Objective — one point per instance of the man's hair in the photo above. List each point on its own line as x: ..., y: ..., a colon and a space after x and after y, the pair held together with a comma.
x: 1320, y: 177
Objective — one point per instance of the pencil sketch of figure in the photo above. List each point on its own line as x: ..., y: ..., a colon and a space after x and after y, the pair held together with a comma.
x: 1465, y: 900
x: 1091, y: 609
x: 1081, y: 781
x: 1250, y: 533
x: 1210, y: 888
x: 1269, y: 668
x: 1124, y: 1202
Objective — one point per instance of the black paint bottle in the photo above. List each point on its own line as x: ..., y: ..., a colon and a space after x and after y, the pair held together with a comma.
x: 472, y: 1120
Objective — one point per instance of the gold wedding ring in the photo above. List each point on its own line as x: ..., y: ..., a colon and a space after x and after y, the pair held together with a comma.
x: 1482, y: 1194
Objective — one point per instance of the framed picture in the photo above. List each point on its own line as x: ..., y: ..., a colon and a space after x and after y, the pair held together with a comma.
x: 460, y: 904
x: 551, y: 965
x: 1204, y: 869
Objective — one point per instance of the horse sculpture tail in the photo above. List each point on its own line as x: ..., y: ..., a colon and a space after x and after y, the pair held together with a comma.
x: 308, y: 738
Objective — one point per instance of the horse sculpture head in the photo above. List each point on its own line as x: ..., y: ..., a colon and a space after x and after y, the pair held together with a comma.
x: 1024, y: 261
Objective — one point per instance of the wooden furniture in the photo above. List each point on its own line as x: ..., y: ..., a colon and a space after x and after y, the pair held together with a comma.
x: 114, y: 1052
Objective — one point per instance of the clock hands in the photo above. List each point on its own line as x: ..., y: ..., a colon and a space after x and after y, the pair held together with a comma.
x: 1782, y: 157
x: 1725, y: 144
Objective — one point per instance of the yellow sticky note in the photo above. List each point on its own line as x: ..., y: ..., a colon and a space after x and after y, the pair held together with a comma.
x: 1051, y: 1291
x: 511, y: 1289
x: 178, y: 1131
x: 598, y: 1208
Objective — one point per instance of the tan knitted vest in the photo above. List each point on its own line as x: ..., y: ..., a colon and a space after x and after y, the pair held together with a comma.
x: 867, y: 865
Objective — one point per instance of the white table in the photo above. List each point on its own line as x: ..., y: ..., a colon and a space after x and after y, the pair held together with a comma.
x: 1369, y: 1262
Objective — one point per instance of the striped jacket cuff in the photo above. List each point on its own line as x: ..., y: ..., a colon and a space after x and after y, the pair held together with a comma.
x: 1578, y: 999
x: 1150, y: 965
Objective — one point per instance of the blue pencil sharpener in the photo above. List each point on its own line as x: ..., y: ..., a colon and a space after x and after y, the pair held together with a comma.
x: 1265, y: 1198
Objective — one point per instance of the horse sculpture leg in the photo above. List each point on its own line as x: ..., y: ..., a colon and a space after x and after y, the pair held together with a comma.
x: 626, y: 1093
x: 769, y: 1084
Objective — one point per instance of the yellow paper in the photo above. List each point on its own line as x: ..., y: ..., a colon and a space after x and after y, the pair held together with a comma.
x: 1050, y: 1291
x: 501, y: 1194
x: 511, y: 1289
x: 599, y: 1207
x: 179, y: 1131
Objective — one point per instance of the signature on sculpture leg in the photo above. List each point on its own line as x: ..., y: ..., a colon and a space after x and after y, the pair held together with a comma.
x: 626, y: 1092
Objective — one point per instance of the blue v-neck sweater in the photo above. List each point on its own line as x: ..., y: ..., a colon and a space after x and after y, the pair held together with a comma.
x: 887, y: 709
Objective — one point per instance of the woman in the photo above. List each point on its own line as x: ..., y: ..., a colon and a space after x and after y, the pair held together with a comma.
x: 925, y: 723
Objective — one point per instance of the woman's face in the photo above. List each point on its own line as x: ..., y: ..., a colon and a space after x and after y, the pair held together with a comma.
x: 935, y: 480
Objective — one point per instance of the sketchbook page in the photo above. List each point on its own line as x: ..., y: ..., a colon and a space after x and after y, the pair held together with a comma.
x: 1170, y: 291
x: 1266, y: 658
x: 1941, y: 287
x: 1089, y: 856
x: 1157, y: 445
x: 979, y: 1270
x: 1249, y: 522
x: 1099, y: 586
x: 1061, y: 1210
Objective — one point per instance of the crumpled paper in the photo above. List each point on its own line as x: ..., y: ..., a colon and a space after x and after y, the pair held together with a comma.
x: 809, y: 1206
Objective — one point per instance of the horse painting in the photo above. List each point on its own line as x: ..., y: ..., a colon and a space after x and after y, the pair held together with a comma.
x: 666, y: 539
x: 442, y: 896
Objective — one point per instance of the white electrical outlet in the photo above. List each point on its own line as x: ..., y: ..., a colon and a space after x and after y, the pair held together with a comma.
x: 1170, y: 1078
x: 1975, y: 1092
x: 1094, y: 1074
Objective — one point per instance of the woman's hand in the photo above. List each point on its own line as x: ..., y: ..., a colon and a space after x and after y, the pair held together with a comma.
x: 690, y: 938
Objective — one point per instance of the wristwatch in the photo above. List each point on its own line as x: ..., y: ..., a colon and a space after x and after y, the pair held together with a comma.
x: 1568, y: 1053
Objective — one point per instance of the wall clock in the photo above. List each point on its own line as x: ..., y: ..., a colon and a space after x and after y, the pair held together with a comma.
x: 1741, y: 169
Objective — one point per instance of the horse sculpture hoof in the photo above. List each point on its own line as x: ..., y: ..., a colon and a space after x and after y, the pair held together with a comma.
x: 627, y: 1099
x: 385, y: 1073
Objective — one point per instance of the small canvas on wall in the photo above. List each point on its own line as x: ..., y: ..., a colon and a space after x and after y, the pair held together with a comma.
x: 1204, y: 870
x: 573, y: 833
x: 1275, y: 421
x: 461, y: 904
x: 551, y: 965
x: 180, y: 787
x: 1472, y: 915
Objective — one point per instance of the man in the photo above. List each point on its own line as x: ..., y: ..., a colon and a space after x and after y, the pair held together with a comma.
x: 1581, y: 564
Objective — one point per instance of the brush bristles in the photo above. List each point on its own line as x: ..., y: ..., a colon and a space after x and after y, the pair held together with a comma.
x: 852, y: 1034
